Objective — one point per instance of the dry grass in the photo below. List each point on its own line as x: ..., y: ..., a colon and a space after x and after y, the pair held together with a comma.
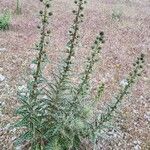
x: 125, y: 40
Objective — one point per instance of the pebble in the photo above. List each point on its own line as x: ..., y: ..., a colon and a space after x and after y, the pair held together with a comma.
x: 124, y: 83
x: 2, y: 49
x: 146, y: 79
x: 13, y: 138
x: 19, y: 148
x: 33, y: 66
x: 137, y: 147
x: 1, y: 69
x: 7, y: 126
x: 2, y: 78
x: 147, y: 116
x: 22, y: 88
x: 2, y: 103
x: 1, y: 114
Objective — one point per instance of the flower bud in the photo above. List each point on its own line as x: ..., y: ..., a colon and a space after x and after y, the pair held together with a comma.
x: 50, y: 13
x: 47, y: 5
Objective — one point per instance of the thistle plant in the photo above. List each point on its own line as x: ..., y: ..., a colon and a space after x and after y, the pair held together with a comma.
x: 58, y: 114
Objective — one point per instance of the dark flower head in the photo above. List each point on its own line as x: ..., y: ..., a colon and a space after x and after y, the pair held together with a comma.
x: 101, y: 33
x: 75, y: 2
x: 142, y: 55
x: 47, y: 5
x: 41, y: 12
x: 50, y: 13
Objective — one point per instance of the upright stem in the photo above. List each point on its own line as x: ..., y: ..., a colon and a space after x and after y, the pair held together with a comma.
x: 91, y: 62
x: 18, y: 7
x: 33, y: 94
x: 130, y: 81
x: 40, y: 55
x: 71, y: 48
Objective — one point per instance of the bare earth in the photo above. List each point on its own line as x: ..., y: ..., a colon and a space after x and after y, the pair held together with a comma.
x: 125, y: 40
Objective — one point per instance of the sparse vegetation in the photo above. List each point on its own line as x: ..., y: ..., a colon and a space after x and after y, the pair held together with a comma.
x: 117, y: 14
x: 5, y: 20
x: 18, y: 7
x: 58, y: 114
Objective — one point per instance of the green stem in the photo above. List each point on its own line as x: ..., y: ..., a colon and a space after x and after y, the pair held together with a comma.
x: 33, y: 94
x: 71, y: 50
x: 40, y: 55
x: 18, y: 7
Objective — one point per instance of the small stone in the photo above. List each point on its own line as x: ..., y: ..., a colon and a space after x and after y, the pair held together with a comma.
x: 13, y: 138
x: 22, y: 88
x: 19, y: 148
x: 124, y: 82
x: 2, y: 104
x: 14, y: 130
x: 45, y: 97
x: 146, y: 79
x: 137, y: 142
x: 141, y: 97
x: 2, y: 49
x: 23, y: 94
x: 2, y: 78
x: 1, y: 69
x: 147, y: 116
x: 135, y: 111
x: 33, y: 66
x: 7, y: 126
x: 137, y: 147
x: 1, y: 114
x: 80, y: 45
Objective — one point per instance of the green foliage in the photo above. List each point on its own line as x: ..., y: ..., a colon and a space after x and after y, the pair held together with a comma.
x: 32, y: 116
x: 5, y: 20
x: 58, y: 114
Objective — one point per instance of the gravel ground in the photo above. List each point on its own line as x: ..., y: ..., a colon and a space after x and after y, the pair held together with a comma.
x: 126, y: 38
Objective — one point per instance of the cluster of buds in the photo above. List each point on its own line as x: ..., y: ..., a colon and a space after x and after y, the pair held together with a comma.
x: 137, y: 71
x: 98, y: 41
x: 96, y: 48
x: 138, y: 68
x: 73, y: 32
x: 43, y: 27
x: 74, y: 36
x: 91, y: 60
x: 139, y: 65
x: 44, y: 14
